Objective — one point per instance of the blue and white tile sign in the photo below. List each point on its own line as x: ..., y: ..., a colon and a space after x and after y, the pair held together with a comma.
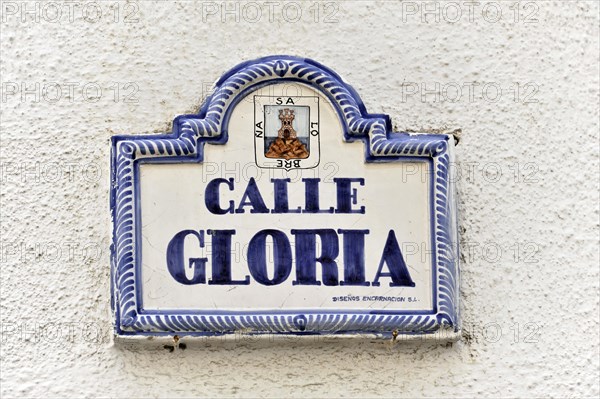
x: 304, y: 214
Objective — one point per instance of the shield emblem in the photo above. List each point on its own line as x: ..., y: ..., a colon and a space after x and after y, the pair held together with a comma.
x: 286, y: 132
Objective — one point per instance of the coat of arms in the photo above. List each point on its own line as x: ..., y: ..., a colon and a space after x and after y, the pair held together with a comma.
x: 286, y: 132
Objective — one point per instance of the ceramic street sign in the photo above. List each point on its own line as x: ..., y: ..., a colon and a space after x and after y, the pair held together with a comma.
x: 304, y: 214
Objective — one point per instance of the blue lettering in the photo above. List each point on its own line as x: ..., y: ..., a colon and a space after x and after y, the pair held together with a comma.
x: 281, y: 196
x: 221, y: 259
x: 392, y: 256
x: 306, y: 258
x: 311, y: 197
x: 257, y: 262
x: 211, y: 196
x: 252, y: 198
x: 354, y: 257
x: 347, y: 196
x: 175, y: 263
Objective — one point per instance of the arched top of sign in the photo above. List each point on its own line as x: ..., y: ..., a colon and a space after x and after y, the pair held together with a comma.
x: 211, y: 123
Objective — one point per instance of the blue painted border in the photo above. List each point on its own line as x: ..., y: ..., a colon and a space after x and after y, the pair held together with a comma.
x: 186, y: 144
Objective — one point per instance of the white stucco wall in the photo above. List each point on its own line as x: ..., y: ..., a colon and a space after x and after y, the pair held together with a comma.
x: 528, y: 189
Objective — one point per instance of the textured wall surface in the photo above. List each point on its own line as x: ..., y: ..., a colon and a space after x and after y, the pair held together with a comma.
x: 520, y: 81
